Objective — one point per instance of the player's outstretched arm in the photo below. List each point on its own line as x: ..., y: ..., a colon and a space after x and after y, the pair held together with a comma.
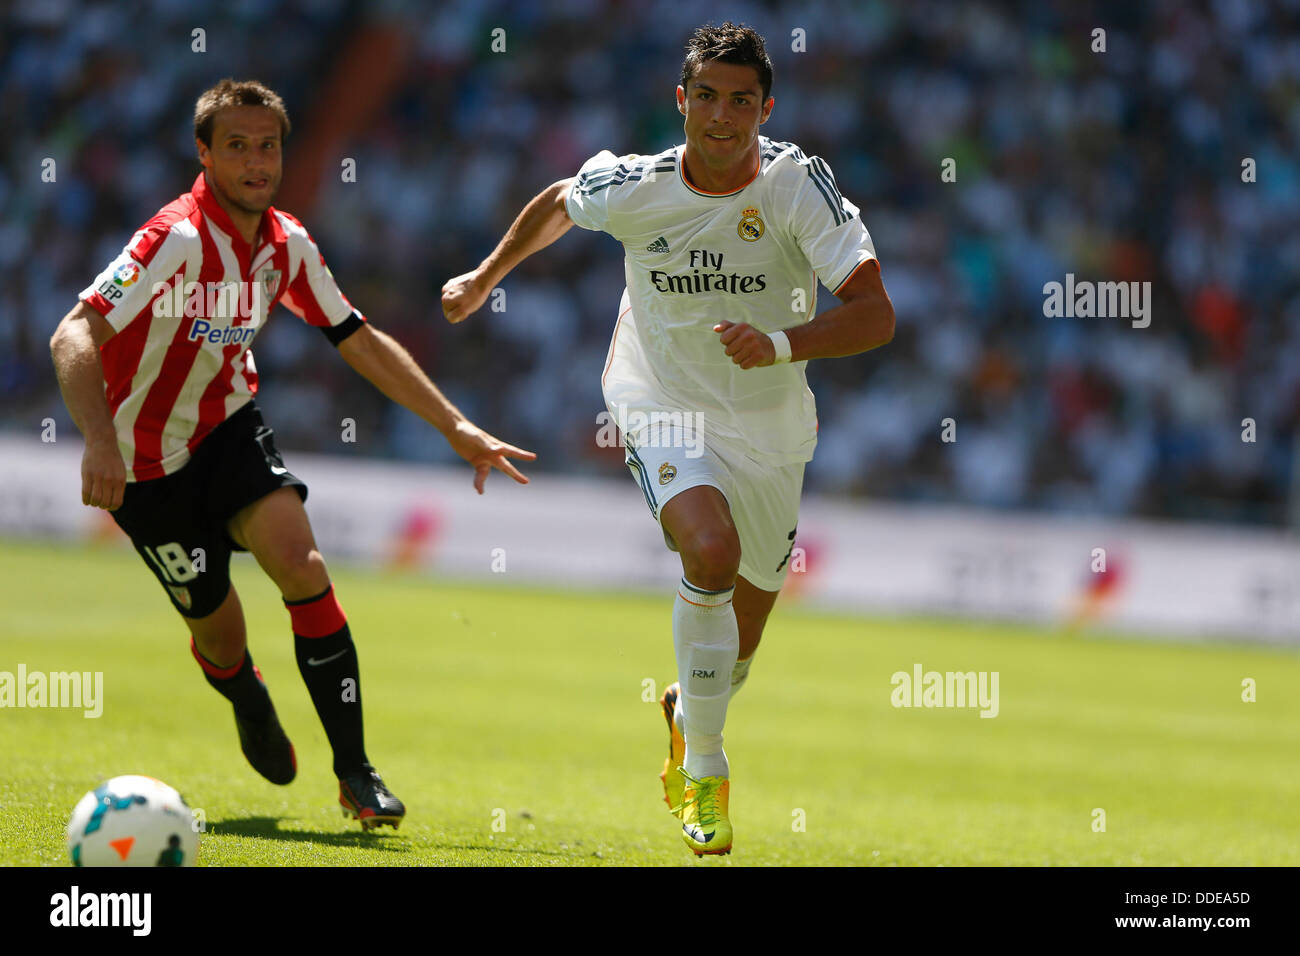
x: 543, y: 220
x: 864, y: 320
x: 75, y: 350
x: 380, y: 358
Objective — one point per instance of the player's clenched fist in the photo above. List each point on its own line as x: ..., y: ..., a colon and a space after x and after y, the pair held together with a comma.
x: 463, y: 295
x: 748, y: 347
x: 103, y: 475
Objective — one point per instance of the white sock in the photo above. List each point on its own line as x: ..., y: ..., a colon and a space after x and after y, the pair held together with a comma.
x: 707, y: 641
x: 739, y: 674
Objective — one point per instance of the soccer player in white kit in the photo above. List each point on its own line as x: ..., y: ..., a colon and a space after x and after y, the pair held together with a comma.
x: 725, y: 240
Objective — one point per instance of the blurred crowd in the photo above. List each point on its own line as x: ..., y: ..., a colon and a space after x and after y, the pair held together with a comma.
x: 1122, y: 165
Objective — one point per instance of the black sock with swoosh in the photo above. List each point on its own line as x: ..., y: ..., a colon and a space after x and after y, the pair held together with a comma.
x: 327, y: 660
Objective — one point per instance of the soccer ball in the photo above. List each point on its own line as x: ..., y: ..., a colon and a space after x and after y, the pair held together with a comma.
x: 132, y: 821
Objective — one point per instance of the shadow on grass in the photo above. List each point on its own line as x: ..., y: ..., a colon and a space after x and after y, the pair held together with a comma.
x: 488, y: 848
x: 268, y: 828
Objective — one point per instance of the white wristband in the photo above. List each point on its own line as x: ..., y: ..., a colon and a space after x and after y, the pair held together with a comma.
x: 780, y: 342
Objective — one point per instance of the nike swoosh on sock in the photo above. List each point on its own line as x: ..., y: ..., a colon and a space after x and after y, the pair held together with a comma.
x: 333, y: 657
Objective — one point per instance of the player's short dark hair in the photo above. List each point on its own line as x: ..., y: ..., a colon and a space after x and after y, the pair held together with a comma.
x: 236, y: 93
x: 728, y: 43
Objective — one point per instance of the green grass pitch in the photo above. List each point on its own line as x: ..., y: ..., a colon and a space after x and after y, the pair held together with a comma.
x: 511, y: 722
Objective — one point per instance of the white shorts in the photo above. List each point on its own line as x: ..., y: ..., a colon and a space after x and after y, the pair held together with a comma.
x: 763, y: 499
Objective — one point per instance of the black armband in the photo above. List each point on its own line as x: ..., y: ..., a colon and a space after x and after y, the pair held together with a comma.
x: 337, y: 333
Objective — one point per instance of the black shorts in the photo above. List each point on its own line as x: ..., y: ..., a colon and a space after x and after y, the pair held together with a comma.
x: 178, y: 522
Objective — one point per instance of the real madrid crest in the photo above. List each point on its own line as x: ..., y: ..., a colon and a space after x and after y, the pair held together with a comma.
x: 666, y: 473
x: 751, y: 227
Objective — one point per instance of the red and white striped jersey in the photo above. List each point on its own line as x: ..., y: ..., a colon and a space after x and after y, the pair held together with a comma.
x: 186, y: 298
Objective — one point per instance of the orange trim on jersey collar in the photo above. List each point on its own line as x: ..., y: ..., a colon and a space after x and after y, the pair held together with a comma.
x: 681, y: 168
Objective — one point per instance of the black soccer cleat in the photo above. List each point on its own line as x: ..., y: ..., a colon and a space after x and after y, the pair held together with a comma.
x: 267, y: 748
x: 364, y: 797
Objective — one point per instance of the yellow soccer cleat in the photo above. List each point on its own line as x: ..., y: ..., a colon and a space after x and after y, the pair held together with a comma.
x: 705, y: 826
x: 673, y: 783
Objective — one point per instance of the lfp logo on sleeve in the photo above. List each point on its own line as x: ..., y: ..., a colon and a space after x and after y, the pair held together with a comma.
x: 126, y: 275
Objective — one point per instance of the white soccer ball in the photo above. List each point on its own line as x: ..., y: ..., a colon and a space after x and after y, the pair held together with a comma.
x: 132, y: 821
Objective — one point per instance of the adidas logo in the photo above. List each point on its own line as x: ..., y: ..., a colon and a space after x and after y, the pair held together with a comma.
x: 659, y: 245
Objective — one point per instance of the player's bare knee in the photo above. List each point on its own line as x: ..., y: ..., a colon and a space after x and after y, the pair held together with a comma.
x: 301, y: 574
x: 711, y: 559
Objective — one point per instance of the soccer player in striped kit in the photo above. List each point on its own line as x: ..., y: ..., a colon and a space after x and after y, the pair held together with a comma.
x: 156, y: 370
x: 725, y: 239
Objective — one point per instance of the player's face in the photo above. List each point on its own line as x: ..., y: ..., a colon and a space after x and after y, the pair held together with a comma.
x: 244, y: 162
x: 723, y: 105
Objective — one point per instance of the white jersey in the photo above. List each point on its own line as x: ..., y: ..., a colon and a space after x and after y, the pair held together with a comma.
x: 694, y: 259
